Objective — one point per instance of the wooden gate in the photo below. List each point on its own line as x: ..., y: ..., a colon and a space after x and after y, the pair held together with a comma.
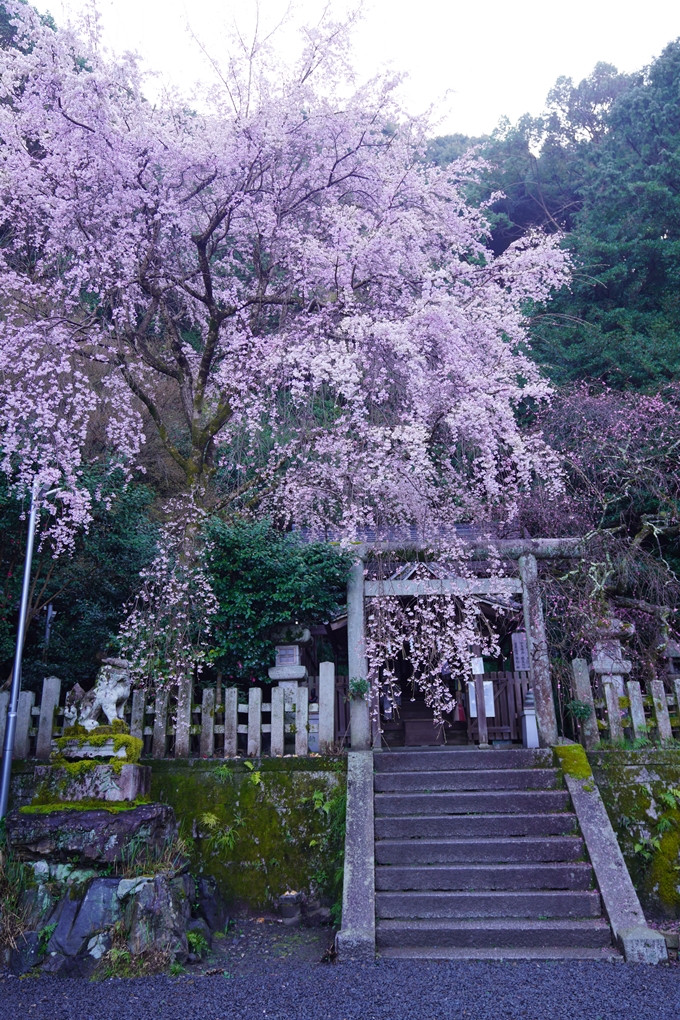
x: 509, y: 692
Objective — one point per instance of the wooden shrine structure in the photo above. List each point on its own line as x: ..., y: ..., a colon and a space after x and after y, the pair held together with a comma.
x: 364, y: 720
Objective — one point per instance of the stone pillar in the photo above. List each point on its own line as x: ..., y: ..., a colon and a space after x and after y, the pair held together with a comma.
x: 207, y: 739
x: 277, y: 723
x: 138, y: 717
x: 302, y: 721
x: 326, y: 706
x: 590, y: 735
x: 160, y: 723
x: 231, y: 722
x: 51, y: 692
x: 185, y: 690
x: 359, y: 716
x: 254, y: 722
x: 637, y: 710
x: 22, y: 738
x: 663, y: 722
x: 538, y: 651
x: 611, y: 697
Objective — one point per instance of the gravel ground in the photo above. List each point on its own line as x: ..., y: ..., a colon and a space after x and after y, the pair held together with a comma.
x: 388, y: 990
x: 252, y: 943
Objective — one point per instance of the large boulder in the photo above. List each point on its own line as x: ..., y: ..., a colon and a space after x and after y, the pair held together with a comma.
x: 210, y: 905
x: 157, y: 913
x: 78, y: 920
x: 92, y: 836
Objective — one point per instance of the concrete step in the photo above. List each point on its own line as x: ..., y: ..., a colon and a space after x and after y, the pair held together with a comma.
x: 532, y: 850
x: 606, y: 954
x: 537, y: 905
x: 484, y: 876
x: 452, y: 759
x: 493, y: 934
x: 473, y: 826
x: 471, y: 802
x: 467, y: 779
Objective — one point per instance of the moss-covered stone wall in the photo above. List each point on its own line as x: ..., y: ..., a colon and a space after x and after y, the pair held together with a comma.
x: 641, y: 791
x: 260, y: 827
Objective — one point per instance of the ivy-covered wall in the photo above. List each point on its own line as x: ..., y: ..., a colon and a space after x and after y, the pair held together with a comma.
x: 641, y: 791
x: 260, y: 827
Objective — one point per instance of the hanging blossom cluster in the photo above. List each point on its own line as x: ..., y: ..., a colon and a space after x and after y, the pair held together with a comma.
x: 436, y: 634
x: 165, y: 636
x: 277, y: 282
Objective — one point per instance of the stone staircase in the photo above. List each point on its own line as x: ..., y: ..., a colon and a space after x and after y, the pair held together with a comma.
x: 478, y: 855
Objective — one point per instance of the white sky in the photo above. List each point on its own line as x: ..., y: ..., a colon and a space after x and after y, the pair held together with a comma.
x: 476, y: 61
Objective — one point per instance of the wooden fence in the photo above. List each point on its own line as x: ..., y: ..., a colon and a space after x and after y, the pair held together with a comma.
x: 637, y: 714
x: 173, y: 725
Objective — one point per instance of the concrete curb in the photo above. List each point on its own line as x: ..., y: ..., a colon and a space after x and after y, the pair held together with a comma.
x: 356, y: 938
x: 639, y: 943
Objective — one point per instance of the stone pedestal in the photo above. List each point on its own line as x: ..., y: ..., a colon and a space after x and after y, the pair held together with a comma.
x: 90, y: 781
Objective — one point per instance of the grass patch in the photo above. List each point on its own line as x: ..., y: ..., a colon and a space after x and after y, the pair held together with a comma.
x: 15, y: 878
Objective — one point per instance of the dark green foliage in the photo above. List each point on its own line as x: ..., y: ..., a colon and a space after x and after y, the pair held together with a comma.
x: 603, y: 165
x: 264, y: 580
x: 87, y: 590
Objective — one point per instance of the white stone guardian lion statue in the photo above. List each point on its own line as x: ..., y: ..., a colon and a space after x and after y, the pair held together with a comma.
x: 109, y: 694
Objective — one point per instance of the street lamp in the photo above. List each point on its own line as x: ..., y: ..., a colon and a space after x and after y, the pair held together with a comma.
x: 10, y: 728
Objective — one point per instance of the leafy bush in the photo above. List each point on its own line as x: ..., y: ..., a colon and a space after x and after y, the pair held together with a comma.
x: 266, y: 580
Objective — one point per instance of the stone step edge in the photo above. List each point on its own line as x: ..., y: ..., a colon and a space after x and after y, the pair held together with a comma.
x: 490, y: 923
x: 607, y: 955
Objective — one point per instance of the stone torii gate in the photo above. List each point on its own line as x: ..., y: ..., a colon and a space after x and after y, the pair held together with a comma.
x: 525, y: 551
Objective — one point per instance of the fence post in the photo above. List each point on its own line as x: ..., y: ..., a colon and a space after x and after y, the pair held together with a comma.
x: 183, y: 723
x: 326, y: 706
x: 160, y: 723
x: 676, y: 688
x: 637, y: 710
x: 590, y: 735
x: 277, y: 717
x: 254, y: 722
x: 51, y: 691
x: 4, y: 705
x: 301, y: 720
x: 138, y: 716
x: 663, y: 722
x: 208, y: 722
x: 480, y: 698
x: 230, y: 722
x: 22, y: 739
x: 611, y: 697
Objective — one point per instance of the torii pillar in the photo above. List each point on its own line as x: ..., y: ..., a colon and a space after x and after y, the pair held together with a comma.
x: 359, y: 708
x: 537, y: 644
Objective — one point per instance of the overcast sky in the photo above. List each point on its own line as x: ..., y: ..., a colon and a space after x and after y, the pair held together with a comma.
x: 476, y: 61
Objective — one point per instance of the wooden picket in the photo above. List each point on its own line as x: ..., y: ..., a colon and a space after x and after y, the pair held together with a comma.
x: 654, y: 714
x: 172, y: 725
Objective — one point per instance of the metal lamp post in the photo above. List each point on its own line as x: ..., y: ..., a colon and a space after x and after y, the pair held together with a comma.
x: 10, y: 728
